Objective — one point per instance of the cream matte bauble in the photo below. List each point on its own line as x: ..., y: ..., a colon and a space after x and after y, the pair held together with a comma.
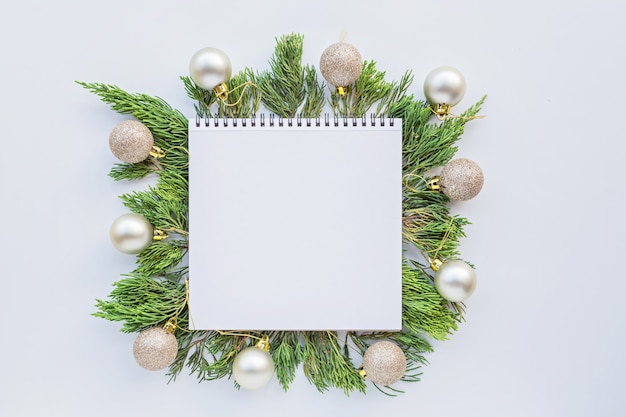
x: 155, y: 349
x: 384, y: 363
x: 253, y: 368
x: 131, y: 233
x: 210, y: 67
x: 444, y: 85
x: 455, y: 280
x: 341, y: 64
x: 461, y: 179
x: 131, y: 141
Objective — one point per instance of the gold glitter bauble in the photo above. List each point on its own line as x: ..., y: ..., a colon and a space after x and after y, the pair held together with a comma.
x: 155, y: 348
x: 131, y: 141
x: 341, y: 64
x: 461, y: 179
x: 384, y: 363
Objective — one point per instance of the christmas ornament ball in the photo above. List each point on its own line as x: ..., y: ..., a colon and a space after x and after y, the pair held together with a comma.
x: 155, y: 348
x: 444, y: 85
x: 461, y: 179
x: 384, y: 363
x: 131, y: 141
x: 341, y: 64
x: 210, y: 67
x: 131, y: 233
x: 253, y: 368
x: 455, y: 280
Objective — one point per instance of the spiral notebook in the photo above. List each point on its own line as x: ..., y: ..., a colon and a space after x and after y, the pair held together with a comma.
x: 295, y: 224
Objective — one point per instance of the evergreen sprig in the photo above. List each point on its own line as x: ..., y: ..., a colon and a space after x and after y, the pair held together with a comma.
x: 288, y: 83
x: 371, y: 88
x: 428, y: 145
x: 156, y: 291
x: 140, y: 301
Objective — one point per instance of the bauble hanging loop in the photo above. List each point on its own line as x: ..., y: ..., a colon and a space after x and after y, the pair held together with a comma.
x: 444, y: 87
x: 131, y: 233
x: 341, y: 65
x: 210, y: 68
x: 155, y: 348
x: 384, y: 363
x: 455, y: 280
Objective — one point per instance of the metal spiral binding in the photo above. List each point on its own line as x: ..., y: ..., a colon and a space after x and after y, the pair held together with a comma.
x: 345, y: 121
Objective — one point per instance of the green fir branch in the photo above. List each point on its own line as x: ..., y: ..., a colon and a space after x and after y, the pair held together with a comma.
x: 428, y: 145
x: 326, y: 367
x: 156, y: 291
x: 168, y: 126
x: 203, y: 98
x: 244, y: 97
x: 136, y: 171
x: 164, y: 213
x: 423, y: 309
x: 139, y: 301
x: 287, y: 353
x: 315, y: 99
x: 370, y: 88
x: 160, y: 257
x: 283, y: 86
x: 397, y: 94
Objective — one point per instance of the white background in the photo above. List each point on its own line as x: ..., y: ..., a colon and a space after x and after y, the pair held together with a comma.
x: 544, y: 329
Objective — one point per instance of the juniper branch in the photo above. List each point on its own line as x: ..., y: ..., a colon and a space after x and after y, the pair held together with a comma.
x: 325, y: 366
x: 314, y: 102
x: 423, y: 309
x: 283, y: 87
x: 203, y: 98
x: 287, y: 353
x: 168, y: 126
x: 136, y: 171
x: 140, y: 301
x: 161, y: 211
x: 161, y: 256
x: 427, y: 145
x: 369, y: 89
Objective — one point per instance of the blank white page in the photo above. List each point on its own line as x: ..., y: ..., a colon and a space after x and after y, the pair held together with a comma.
x: 295, y: 227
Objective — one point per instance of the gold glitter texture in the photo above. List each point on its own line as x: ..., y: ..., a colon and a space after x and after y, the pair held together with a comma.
x: 341, y: 64
x: 155, y: 349
x: 131, y: 141
x: 384, y: 363
x: 461, y: 179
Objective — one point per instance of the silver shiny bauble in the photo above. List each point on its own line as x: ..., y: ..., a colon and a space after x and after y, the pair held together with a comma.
x: 384, y: 363
x: 210, y: 67
x: 461, y: 179
x: 253, y: 368
x: 131, y: 233
x: 341, y: 64
x: 444, y: 85
x: 455, y: 280
x: 155, y: 349
x: 131, y: 141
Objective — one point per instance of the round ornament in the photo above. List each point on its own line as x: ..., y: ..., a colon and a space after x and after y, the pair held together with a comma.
x: 341, y: 64
x: 253, y: 368
x: 210, y: 68
x: 461, y: 179
x: 444, y: 87
x: 155, y: 348
x: 455, y: 280
x: 384, y: 363
x: 131, y: 141
x: 131, y: 233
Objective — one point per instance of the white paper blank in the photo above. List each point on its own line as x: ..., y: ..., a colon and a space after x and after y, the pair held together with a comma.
x: 295, y: 228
